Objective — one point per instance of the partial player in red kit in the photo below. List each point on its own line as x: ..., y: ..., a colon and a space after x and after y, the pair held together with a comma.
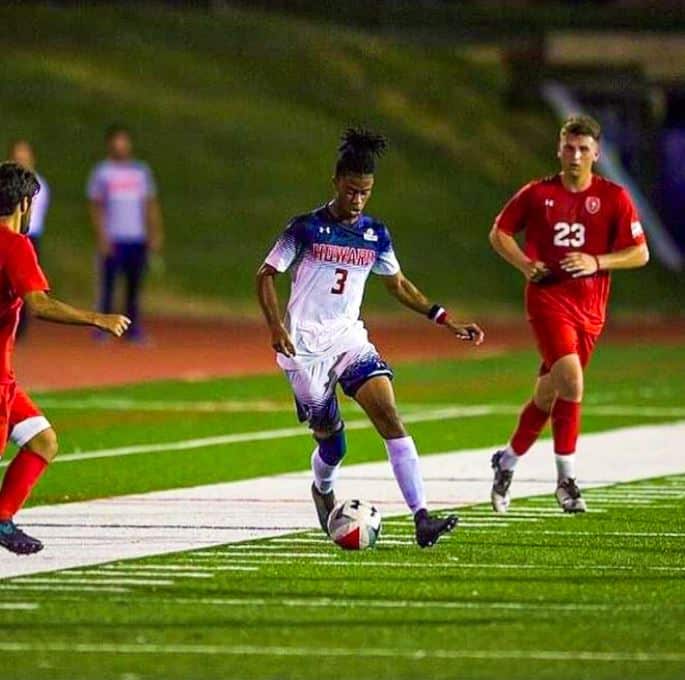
x: 577, y: 227
x: 23, y: 282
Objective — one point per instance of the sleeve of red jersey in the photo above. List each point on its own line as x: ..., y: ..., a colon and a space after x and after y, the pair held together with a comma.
x: 23, y: 271
x: 629, y: 230
x: 512, y: 217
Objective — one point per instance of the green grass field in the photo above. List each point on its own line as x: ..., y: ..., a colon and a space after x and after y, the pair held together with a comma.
x: 239, y: 114
x: 537, y: 595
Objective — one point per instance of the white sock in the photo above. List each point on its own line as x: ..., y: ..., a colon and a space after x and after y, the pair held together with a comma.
x: 566, y: 466
x: 324, y: 474
x: 509, y: 459
x: 405, y: 465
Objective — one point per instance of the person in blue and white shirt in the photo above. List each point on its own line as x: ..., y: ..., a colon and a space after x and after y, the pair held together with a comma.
x: 21, y: 152
x: 127, y: 219
x: 322, y: 341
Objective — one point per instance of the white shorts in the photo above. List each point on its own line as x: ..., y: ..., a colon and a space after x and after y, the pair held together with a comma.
x: 314, y: 383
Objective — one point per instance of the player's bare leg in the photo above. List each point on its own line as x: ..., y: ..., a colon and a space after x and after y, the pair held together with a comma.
x: 326, y: 461
x: 567, y: 379
x: 531, y: 423
x: 20, y: 478
x: 377, y: 398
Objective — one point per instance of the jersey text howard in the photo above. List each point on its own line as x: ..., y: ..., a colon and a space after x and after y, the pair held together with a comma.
x: 357, y: 257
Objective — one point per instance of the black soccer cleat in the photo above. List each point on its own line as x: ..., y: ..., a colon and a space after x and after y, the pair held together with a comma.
x: 16, y: 541
x: 430, y: 529
x: 569, y: 497
x: 499, y: 495
x: 324, y: 503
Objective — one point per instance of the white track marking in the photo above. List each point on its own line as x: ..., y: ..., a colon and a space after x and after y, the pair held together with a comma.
x: 128, y: 527
x: 146, y: 567
x: 419, y: 655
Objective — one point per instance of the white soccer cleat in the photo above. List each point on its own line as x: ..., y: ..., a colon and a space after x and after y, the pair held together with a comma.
x: 568, y: 496
x: 500, y: 496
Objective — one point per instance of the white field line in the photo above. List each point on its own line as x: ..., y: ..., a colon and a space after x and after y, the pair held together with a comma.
x: 96, y: 575
x: 146, y: 567
x: 270, y: 406
x: 128, y: 527
x: 425, y: 415
x: 428, y: 415
x: 92, y: 581
x: 419, y: 655
x: 325, y: 602
x: 52, y: 587
x: 19, y: 606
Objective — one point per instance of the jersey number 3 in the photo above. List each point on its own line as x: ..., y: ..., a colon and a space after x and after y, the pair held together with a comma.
x: 569, y: 235
x: 339, y: 287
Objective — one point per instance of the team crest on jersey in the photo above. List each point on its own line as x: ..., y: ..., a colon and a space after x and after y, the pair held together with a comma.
x: 370, y: 235
x: 592, y: 204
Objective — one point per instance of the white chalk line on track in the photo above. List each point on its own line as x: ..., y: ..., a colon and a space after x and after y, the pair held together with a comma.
x: 338, y: 652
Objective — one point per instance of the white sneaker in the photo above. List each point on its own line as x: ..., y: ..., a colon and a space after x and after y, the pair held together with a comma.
x: 568, y: 496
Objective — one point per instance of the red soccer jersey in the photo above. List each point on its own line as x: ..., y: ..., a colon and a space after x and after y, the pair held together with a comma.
x: 20, y: 274
x: 556, y: 221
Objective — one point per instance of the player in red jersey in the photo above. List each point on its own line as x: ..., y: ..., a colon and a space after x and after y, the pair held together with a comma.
x: 577, y: 227
x: 22, y: 282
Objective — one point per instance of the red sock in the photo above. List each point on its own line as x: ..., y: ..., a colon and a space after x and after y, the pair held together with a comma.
x: 565, y: 426
x: 531, y: 422
x: 21, y: 476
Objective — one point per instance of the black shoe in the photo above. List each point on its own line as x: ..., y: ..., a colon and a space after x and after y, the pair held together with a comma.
x: 499, y: 496
x: 569, y: 497
x: 429, y: 529
x: 16, y: 541
x: 324, y: 503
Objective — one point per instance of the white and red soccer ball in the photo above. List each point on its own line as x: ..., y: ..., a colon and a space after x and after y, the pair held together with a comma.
x: 354, y: 525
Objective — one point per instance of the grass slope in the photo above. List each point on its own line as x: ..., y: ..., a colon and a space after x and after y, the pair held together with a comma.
x: 545, y: 596
x: 239, y: 116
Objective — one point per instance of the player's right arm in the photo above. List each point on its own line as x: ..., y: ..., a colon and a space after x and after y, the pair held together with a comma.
x: 284, y: 252
x: 268, y: 301
x: 40, y: 304
x: 510, y: 221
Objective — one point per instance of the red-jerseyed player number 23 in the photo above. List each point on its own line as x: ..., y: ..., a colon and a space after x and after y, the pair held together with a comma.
x: 569, y: 235
x: 339, y: 287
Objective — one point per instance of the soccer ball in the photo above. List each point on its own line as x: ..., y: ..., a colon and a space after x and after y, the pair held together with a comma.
x: 354, y: 525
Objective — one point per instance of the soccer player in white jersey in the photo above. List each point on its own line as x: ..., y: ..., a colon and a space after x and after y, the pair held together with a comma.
x: 321, y: 342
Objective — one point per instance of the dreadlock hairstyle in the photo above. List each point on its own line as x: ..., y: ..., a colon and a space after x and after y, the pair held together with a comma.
x: 16, y: 184
x: 358, y: 152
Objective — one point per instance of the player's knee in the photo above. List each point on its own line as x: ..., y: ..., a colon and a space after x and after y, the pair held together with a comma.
x: 332, y: 446
x: 571, y: 387
x: 45, y: 444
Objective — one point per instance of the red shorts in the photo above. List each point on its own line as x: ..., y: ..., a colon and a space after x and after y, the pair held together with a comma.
x: 556, y: 338
x: 20, y: 419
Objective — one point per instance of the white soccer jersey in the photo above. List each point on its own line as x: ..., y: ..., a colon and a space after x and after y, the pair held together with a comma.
x: 329, y: 263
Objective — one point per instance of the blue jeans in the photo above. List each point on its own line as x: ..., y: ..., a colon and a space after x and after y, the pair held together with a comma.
x: 129, y: 259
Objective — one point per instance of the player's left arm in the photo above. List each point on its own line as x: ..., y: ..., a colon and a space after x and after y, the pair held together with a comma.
x: 43, y: 306
x: 400, y: 287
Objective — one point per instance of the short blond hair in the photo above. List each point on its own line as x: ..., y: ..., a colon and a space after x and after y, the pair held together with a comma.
x: 581, y: 124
